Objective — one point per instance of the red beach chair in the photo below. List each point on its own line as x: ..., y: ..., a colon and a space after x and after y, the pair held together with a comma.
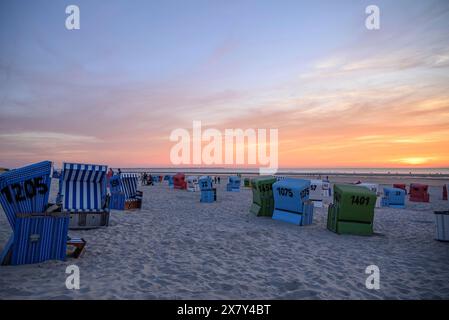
x: 179, y: 181
x: 418, y: 192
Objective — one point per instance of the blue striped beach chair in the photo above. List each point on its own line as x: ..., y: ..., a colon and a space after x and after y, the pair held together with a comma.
x: 124, y: 193
x: 208, y: 193
x: 38, y: 234
x: 82, y: 188
x: 233, y: 184
x: 394, y: 198
x: 171, y: 183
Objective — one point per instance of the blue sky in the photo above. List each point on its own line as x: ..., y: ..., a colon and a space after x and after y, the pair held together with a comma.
x: 143, y: 68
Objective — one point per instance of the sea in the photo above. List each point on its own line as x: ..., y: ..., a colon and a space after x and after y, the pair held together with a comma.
x: 297, y: 171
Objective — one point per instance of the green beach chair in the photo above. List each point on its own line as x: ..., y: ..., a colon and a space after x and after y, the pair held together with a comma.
x: 263, y: 202
x: 352, y: 211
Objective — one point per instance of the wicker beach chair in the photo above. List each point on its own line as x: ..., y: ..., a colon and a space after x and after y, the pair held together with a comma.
x: 419, y: 192
x: 291, y: 201
x: 124, y: 193
x: 393, y: 197
x: 320, y: 191
x: 233, y: 184
x: 263, y: 201
x: 82, y: 189
x: 352, y: 211
x: 192, y: 184
x: 179, y: 181
x: 39, y: 234
x: 208, y: 192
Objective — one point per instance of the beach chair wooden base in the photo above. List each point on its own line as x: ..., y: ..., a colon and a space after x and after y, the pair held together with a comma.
x: 75, y: 247
x: 88, y: 220
x: 133, y: 204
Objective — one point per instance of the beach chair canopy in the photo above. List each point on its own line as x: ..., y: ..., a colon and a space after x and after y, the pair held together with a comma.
x: 25, y: 190
x: 205, y: 183
x: 83, y: 187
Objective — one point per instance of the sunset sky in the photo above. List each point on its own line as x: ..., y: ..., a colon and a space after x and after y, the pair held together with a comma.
x: 340, y: 95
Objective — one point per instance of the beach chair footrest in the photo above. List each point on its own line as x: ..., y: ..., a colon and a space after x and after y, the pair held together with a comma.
x: 133, y: 204
x: 75, y: 247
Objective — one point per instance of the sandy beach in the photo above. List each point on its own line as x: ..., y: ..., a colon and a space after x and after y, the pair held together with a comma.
x: 179, y: 248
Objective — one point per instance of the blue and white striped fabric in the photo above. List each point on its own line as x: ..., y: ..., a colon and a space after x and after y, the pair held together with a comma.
x: 25, y: 190
x: 36, y: 237
x: 128, y: 184
x: 83, y: 187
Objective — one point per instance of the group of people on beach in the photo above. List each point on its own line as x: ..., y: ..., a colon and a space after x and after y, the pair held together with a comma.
x: 110, y: 174
x: 146, y: 178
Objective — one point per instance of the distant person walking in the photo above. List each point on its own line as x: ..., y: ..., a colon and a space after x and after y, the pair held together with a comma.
x: 109, y: 175
x: 119, y: 171
x: 218, y: 180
